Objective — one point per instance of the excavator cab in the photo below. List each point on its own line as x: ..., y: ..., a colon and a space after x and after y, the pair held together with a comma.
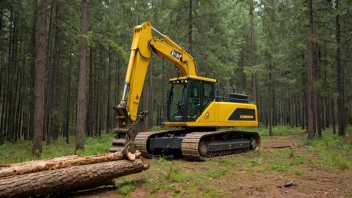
x: 188, y: 97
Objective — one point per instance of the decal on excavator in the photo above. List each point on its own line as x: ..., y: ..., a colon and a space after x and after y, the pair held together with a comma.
x: 246, y: 116
x: 176, y: 54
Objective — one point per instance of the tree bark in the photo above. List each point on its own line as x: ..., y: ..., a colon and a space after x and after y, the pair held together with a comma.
x: 317, y: 101
x: 108, y: 112
x: 333, y: 115
x: 81, y: 100
x: 55, y: 163
x: 68, y: 102
x: 70, y: 178
x: 100, y: 99
x: 117, y: 81
x: 10, y: 78
x: 50, y: 78
x: 32, y: 72
x: 151, y: 98
x: 90, y: 96
x: 39, y: 84
x: 327, y: 113
x: 271, y: 102
x: 310, y: 93
x: 254, y: 77
x: 190, y: 26
x: 340, y: 79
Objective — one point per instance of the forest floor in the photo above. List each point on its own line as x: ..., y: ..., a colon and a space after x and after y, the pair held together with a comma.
x: 323, y: 168
x: 319, y: 168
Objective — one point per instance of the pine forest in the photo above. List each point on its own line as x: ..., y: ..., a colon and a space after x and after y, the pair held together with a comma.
x: 63, y: 65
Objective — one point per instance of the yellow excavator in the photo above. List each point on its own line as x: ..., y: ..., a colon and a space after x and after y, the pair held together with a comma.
x: 192, y: 107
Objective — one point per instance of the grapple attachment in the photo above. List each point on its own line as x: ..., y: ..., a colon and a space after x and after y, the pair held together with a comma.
x: 126, y: 131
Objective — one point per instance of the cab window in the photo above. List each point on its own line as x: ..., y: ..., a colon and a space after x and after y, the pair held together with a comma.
x: 208, y: 94
x: 194, y: 100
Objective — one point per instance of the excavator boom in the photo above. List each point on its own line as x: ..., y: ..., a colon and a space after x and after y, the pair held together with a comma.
x: 142, y: 45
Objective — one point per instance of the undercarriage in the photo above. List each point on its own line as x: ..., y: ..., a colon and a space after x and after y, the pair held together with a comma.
x: 190, y: 145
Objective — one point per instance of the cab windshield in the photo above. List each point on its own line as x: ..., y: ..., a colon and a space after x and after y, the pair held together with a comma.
x: 176, y: 101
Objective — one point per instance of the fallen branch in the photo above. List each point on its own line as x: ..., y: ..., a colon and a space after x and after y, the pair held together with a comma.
x: 287, y: 185
x: 277, y: 147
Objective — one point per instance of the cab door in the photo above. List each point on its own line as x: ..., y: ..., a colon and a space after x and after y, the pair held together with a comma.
x: 193, y: 100
x: 208, y: 105
x: 200, y: 101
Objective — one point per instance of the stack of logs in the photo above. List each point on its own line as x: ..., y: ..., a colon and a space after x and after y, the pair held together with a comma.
x: 59, y: 175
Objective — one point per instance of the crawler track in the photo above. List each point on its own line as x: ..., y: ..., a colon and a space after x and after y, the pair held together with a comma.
x: 191, y: 143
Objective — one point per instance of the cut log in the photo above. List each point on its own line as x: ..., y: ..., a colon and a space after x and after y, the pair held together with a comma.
x: 55, y: 163
x: 69, y: 178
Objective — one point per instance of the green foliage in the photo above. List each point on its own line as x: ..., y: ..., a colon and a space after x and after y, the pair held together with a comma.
x: 176, y: 174
x: 211, y: 192
x: 296, y: 161
x: 126, y: 184
x: 21, y: 151
x: 126, y: 189
x: 287, y: 169
x: 219, y: 171
x: 94, y: 146
x: 332, y: 151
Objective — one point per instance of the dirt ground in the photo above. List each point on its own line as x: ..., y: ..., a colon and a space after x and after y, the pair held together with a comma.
x: 246, y: 180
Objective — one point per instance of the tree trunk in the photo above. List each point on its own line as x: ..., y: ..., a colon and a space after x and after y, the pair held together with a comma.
x: 270, y: 95
x: 90, y: 96
x: 70, y: 178
x: 50, y: 79
x: 100, y: 90
x: 333, y: 115
x: 10, y: 79
x: 81, y: 100
x: 317, y: 106
x: 162, y: 109
x: 327, y: 113
x: 310, y: 116
x: 39, y: 84
x: 108, y: 116
x: 68, y: 102
x: 340, y: 79
x: 54, y: 122
x: 254, y: 77
x: 296, y: 109
x: 32, y: 72
x: 303, y: 112
x: 117, y: 81
x: 322, y: 115
x: 190, y: 27
x: 150, y: 104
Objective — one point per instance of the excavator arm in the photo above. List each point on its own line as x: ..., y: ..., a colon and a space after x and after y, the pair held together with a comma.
x: 142, y: 45
x: 129, y: 121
